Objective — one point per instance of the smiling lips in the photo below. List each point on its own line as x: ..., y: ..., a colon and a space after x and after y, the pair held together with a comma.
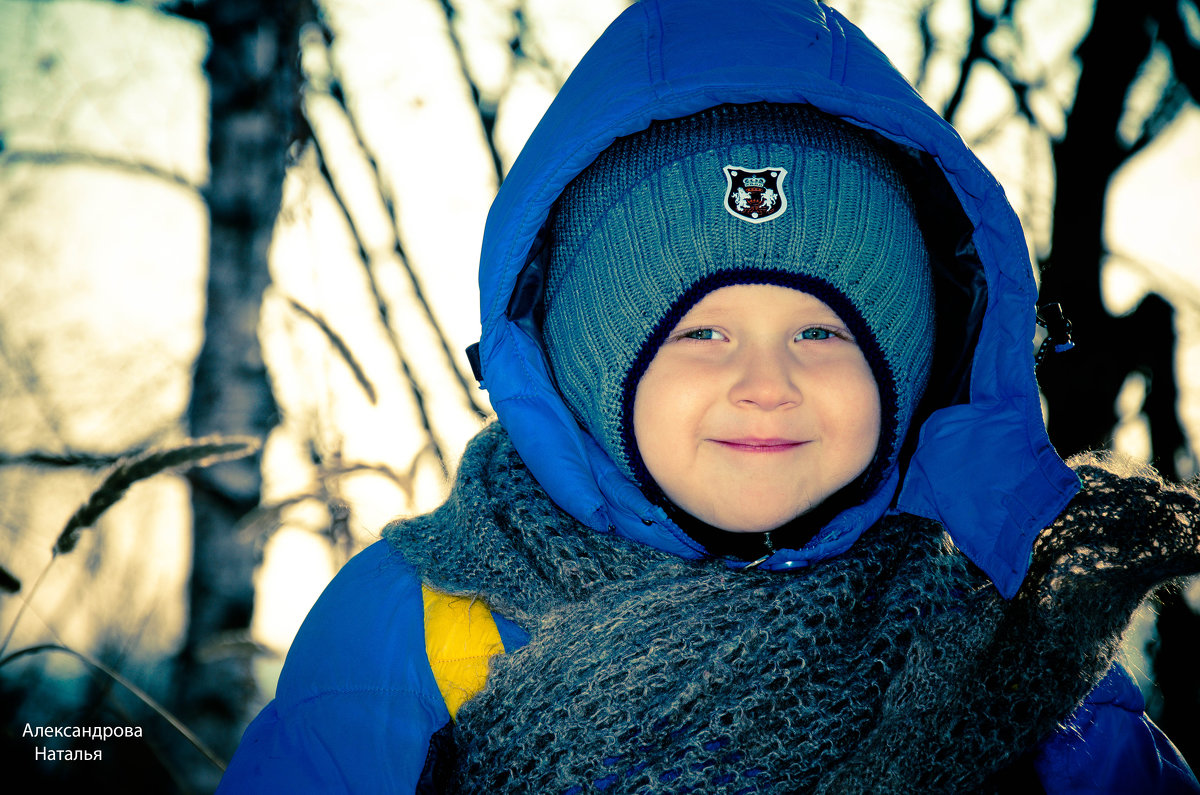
x: 753, y: 445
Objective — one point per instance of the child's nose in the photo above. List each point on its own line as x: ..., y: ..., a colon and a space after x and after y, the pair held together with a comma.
x: 765, y: 379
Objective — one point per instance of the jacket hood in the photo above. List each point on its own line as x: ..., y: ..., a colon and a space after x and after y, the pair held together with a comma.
x: 978, y: 459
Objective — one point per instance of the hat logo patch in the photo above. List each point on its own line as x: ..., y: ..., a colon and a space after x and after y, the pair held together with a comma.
x: 755, y: 195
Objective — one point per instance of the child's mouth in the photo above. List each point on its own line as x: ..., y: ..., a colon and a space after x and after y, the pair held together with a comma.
x: 756, y: 445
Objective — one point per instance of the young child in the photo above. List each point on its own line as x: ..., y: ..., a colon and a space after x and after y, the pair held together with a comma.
x: 769, y: 506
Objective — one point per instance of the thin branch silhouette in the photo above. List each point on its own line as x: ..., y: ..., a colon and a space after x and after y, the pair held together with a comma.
x: 140, y: 694
x: 340, y: 346
x: 65, y: 158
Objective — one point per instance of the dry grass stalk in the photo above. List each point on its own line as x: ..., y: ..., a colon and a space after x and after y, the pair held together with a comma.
x: 127, y: 471
x: 140, y: 694
x: 193, y: 452
x: 264, y: 520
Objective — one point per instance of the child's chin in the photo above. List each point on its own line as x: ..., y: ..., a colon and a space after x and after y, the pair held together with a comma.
x: 751, y: 524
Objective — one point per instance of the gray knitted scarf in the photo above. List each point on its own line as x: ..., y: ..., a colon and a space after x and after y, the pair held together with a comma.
x: 895, y: 667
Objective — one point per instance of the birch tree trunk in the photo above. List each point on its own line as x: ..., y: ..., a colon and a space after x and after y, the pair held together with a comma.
x: 253, y: 73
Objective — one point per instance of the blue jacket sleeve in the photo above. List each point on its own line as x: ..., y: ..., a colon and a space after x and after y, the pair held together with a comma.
x: 1109, y: 745
x: 356, y: 705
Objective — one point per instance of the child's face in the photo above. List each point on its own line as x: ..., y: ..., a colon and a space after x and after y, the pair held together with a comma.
x: 757, y: 407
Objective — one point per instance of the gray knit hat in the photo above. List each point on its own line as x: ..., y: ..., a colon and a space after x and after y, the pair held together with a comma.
x: 737, y: 194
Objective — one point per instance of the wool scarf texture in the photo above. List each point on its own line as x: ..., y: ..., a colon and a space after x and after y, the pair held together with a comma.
x: 894, y: 667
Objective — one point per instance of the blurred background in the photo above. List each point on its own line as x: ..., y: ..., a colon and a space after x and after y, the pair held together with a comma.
x: 260, y: 221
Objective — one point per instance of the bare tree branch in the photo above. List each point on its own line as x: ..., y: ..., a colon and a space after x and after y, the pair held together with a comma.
x: 928, y: 44
x: 981, y: 26
x: 525, y: 47
x: 61, y: 158
x: 340, y: 346
x: 486, y: 111
x: 1173, y: 99
x: 8, y: 581
x: 381, y: 306
x: 333, y: 91
x: 1185, y: 54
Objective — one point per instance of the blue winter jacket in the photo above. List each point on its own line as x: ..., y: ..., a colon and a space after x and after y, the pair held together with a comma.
x: 357, y: 708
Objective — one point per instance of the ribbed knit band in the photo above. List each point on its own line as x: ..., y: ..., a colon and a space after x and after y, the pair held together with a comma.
x: 650, y: 228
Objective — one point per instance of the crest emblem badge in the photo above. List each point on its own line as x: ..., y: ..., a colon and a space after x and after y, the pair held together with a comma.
x: 755, y: 195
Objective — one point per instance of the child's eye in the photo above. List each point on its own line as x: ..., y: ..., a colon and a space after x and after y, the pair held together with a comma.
x: 702, y: 334
x: 816, y: 333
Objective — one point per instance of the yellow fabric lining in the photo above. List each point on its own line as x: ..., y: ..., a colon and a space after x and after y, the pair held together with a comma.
x: 460, y: 638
